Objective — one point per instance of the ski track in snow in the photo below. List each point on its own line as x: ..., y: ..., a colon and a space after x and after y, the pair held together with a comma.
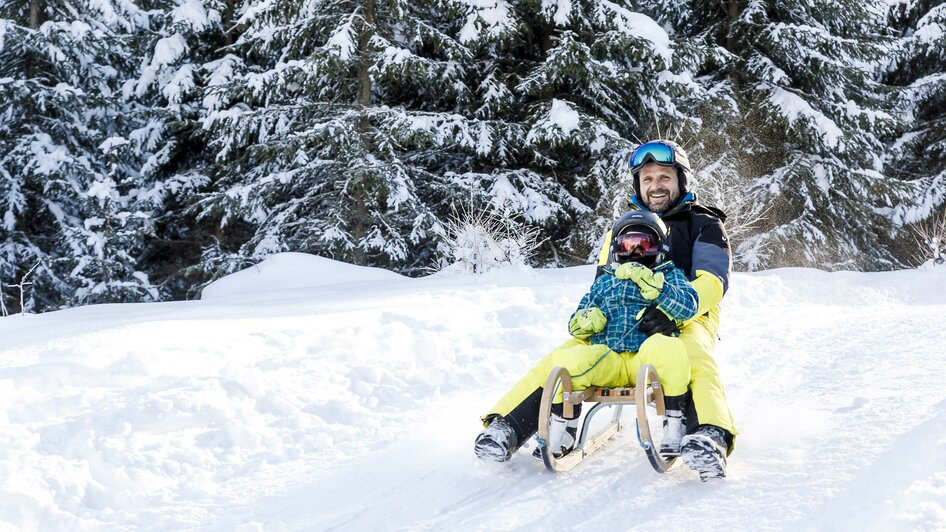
x: 349, y: 398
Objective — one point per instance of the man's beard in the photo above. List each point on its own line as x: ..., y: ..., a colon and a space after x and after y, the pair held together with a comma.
x: 663, y: 203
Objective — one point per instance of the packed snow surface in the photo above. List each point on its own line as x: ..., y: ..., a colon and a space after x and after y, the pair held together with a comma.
x: 306, y: 394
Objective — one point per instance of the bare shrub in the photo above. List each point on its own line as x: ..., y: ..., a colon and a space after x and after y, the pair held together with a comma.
x: 480, y: 240
x: 930, y: 239
x: 24, y: 282
x: 745, y: 210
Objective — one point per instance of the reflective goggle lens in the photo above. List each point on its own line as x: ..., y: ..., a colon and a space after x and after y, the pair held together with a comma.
x: 634, y: 245
x: 657, y: 152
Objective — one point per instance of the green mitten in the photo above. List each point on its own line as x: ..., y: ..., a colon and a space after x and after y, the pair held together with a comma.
x: 587, y: 322
x: 649, y: 282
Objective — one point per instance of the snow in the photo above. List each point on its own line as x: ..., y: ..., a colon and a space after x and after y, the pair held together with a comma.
x: 292, y: 272
x: 821, y: 177
x: 180, y: 84
x: 497, y: 17
x: 307, y: 394
x: 168, y: 50
x: 562, y: 10
x: 642, y: 26
x: 533, y: 205
x: 393, y: 55
x: 192, y: 14
x: 112, y: 142
x: 467, y: 34
x: 342, y: 41
x: 220, y: 73
x: 48, y: 156
x: 930, y: 26
x: 563, y: 116
x: 102, y: 190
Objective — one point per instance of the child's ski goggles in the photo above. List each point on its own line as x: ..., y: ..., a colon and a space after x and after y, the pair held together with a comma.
x: 634, y: 245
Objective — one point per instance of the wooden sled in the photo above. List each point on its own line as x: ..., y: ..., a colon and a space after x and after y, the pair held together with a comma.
x: 648, y: 391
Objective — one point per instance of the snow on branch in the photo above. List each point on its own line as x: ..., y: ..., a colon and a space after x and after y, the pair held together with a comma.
x: 556, y: 125
x: 794, y: 108
x: 343, y: 39
x: 638, y: 25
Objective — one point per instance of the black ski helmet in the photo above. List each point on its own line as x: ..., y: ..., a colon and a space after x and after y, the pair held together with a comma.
x: 641, y: 221
x: 680, y: 161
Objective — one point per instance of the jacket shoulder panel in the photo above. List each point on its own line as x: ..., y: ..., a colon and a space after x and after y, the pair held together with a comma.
x: 706, y: 210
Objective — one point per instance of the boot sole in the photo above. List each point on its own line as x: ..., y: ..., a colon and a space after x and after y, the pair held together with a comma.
x: 704, y: 457
x: 491, y: 452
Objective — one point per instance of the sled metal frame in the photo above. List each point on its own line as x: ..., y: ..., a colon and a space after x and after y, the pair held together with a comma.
x: 648, y: 391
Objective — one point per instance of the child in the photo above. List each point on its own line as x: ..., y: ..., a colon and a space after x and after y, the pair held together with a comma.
x: 607, y: 348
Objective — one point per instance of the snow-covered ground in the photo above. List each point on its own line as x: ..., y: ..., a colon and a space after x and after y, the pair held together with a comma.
x: 310, y: 395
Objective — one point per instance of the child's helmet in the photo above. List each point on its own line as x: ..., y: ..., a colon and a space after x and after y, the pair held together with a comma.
x: 640, y: 236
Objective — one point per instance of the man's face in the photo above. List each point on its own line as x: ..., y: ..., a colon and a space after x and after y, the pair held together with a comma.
x: 659, y: 186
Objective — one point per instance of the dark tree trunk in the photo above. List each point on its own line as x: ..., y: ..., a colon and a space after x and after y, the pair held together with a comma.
x: 37, y: 17
x: 228, y: 21
x: 36, y: 14
x: 359, y: 191
x: 364, y: 61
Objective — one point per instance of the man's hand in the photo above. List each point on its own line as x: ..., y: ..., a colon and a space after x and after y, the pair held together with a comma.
x: 649, y: 282
x: 587, y: 322
x: 655, y: 321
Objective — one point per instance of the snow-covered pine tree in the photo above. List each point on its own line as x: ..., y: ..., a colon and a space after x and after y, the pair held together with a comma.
x: 307, y: 128
x: 115, y: 225
x: 573, y: 86
x: 811, y: 70
x: 66, y: 178
x: 180, y: 58
x: 812, y: 126
x: 919, y: 69
x: 358, y: 127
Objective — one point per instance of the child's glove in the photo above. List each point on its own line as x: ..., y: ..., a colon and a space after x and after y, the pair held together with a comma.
x: 587, y: 322
x: 650, y: 283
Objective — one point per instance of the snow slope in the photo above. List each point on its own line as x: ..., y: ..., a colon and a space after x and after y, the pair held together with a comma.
x: 305, y: 394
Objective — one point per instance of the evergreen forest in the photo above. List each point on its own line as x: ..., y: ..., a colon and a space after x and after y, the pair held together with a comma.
x: 148, y: 147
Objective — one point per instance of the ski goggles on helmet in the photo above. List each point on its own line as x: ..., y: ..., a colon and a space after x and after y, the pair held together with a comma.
x: 652, y: 152
x: 634, y: 245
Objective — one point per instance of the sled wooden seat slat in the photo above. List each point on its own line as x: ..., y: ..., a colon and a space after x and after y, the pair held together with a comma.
x: 604, y: 395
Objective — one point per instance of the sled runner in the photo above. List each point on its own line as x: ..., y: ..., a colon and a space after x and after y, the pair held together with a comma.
x: 647, y: 392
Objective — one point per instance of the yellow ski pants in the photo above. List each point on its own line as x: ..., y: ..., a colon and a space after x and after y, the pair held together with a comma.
x: 681, y: 362
x: 709, y: 396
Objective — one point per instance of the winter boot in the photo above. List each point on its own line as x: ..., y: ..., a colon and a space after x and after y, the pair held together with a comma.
x: 674, y: 425
x: 704, y: 451
x: 563, y: 433
x: 674, y: 429
x: 497, y: 442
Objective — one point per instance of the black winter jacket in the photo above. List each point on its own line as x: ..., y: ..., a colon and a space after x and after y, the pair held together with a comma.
x: 698, y: 240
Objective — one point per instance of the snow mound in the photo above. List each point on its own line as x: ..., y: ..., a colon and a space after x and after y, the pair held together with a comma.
x: 293, y: 271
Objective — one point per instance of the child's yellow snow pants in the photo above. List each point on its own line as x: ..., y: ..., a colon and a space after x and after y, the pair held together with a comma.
x: 596, y: 365
x: 682, y: 362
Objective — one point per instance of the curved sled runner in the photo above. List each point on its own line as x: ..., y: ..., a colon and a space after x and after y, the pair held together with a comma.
x: 648, y: 391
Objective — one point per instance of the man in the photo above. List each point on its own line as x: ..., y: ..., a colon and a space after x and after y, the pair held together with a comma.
x: 700, y: 247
